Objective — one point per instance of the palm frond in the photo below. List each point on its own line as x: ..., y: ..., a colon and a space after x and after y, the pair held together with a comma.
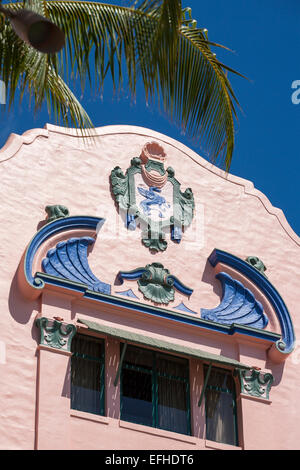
x: 154, y: 40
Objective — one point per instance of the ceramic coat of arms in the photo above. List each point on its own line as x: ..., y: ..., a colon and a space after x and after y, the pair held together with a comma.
x: 149, y: 197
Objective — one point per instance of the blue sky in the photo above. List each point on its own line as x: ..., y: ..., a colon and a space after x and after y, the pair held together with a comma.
x: 265, y: 38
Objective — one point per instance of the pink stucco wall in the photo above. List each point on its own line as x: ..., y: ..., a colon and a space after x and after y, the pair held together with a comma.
x: 54, y: 166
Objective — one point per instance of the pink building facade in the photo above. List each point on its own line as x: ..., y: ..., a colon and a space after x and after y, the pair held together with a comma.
x: 148, y: 300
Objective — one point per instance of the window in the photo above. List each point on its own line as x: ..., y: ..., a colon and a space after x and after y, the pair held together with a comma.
x: 155, y: 390
x: 87, y: 374
x: 220, y: 407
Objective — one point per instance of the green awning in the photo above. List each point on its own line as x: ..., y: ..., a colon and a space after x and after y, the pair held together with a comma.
x: 136, y: 338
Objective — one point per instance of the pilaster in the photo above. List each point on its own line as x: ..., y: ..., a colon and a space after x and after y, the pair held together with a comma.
x: 53, y: 384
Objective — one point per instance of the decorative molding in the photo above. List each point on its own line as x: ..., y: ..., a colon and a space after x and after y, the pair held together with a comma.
x: 56, y: 334
x: 285, y: 345
x: 155, y: 242
x: 153, y: 150
x: 238, y: 305
x: 125, y: 303
x: 68, y: 260
x: 128, y: 293
x: 156, y: 283
x: 56, y: 212
x: 255, y: 383
x: 184, y: 308
x: 45, y: 233
x: 173, y: 215
x: 257, y: 264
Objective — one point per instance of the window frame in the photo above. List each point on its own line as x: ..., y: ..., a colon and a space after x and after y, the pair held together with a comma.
x: 101, y: 361
x: 234, y: 401
x: 154, y: 389
x: 155, y: 374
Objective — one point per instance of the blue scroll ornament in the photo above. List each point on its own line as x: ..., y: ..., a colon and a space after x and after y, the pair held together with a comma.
x: 238, y: 305
x: 68, y: 260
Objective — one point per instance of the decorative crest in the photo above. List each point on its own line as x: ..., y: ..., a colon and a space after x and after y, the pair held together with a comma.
x: 56, y: 212
x: 257, y: 264
x: 156, y: 283
x: 149, y: 195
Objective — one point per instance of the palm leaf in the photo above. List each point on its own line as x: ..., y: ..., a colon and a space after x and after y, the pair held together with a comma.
x: 153, y: 40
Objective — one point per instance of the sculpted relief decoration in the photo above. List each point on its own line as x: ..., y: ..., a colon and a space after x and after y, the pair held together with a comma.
x: 149, y: 196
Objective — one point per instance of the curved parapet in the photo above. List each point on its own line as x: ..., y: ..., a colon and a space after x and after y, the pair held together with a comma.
x: 64, y: 260
x: 283, y: 347
x: 238, y: 305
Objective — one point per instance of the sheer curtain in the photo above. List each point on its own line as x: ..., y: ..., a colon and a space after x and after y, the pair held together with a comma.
x: 220, y: 408
x: 86, y: 367
x: 172, y: 394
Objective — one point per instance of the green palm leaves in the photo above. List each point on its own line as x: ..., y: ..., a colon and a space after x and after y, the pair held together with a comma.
x: 154, y: 41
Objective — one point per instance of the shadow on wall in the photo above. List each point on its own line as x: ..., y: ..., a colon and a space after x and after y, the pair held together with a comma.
x: 66, y: 392
x: 276, y: 371
x: 209, y: 277
x: 20, y: 309
x: 41, y: 224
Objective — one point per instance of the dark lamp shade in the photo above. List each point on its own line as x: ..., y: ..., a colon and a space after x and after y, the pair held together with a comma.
x: 37, y: 31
